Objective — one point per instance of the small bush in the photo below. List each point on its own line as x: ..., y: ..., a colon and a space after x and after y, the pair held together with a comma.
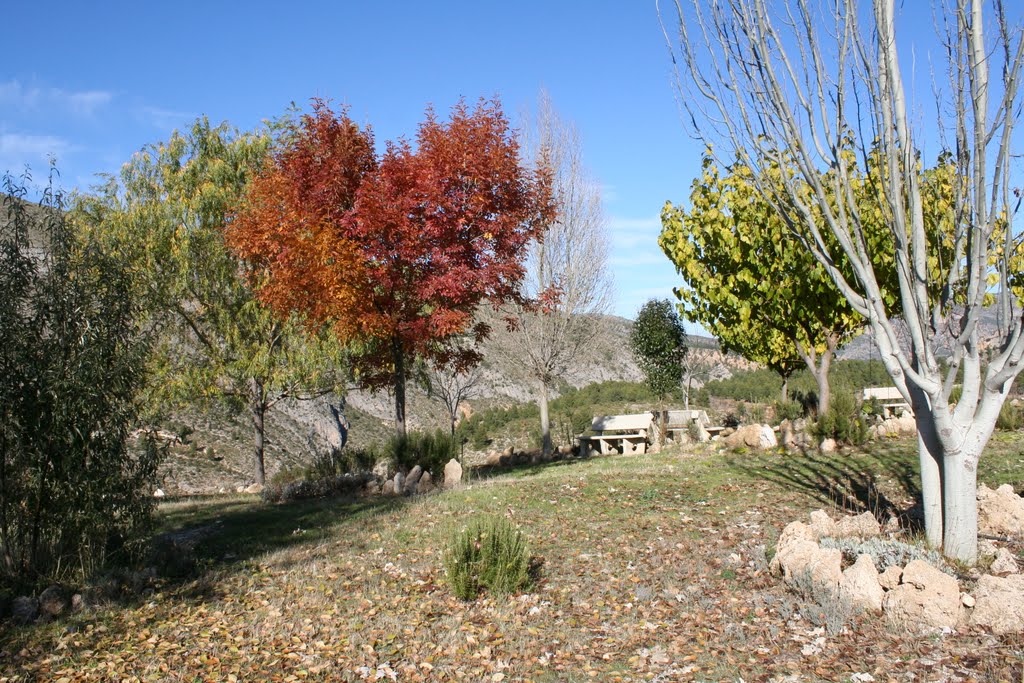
x: 788, y: 410
x: 299, y: 489
x: 825, y: 606
x: 842, y: 421
x: 489, y: 554
x: 1010, y: 418
x: 885, y: 553
x: 429, y: 450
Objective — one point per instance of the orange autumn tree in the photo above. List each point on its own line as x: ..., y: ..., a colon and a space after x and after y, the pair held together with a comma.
x: 395, y: 252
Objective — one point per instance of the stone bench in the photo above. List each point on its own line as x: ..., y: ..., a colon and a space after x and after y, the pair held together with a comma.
x: 618, y: 434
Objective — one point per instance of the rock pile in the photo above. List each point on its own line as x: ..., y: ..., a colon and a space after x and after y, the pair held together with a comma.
x: 917, y: 596
x: 417, y: 481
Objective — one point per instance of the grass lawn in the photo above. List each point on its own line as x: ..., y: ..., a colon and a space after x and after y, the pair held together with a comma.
x: 654, y: 569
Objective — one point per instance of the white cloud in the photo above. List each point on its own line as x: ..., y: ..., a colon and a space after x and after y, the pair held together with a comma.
x: 631, y: 233
x: 85, y: 103
x: 165, y: 119
x: 17, y: 150
x: 645, y: 258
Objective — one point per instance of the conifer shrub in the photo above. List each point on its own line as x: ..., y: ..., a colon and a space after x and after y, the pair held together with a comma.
x: 489, y: 554
x: 842, y: 422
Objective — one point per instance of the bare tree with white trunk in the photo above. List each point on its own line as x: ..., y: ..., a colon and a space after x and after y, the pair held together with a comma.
x: 823, y: 89
x: 567, y: 277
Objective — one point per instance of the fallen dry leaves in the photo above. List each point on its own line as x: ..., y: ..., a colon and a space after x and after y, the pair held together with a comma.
x: 651, y: 574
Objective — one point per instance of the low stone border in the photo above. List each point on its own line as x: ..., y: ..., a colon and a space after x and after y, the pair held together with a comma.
x: 916, y: 595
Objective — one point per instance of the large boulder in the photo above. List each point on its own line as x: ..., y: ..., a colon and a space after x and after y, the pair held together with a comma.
x: 1000, y: 512
x: 452, y: 474
x: 822, y: 524
x: 999, y: 603
x: 861, y: 526
x: 798, y: 554
x: 860, y: 586
x: 751, y: 436
x: 925, y: 599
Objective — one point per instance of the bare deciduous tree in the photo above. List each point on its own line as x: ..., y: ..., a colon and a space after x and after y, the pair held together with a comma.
x: 567, y: 273
x: 818, y: 87
x: 453, y: 384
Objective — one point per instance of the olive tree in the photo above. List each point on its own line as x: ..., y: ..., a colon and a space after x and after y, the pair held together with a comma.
x: 819, y: 87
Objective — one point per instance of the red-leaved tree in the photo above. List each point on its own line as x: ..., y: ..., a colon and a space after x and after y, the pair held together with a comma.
x: 395, y: 252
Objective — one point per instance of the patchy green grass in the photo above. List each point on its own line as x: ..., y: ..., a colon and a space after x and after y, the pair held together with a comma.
x: 654, y: 570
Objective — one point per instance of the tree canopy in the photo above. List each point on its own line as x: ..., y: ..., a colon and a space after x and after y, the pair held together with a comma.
x: 395, y: 252
x: 166, y: 219
x: 749, y: 282
x: 658, y: 341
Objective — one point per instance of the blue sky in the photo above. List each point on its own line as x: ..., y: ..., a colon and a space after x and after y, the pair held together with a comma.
x: 93, y: 82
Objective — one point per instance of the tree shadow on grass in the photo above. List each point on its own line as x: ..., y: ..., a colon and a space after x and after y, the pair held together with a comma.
x: 880, y: 481
x: 205, y: 535
x: 483, y: 473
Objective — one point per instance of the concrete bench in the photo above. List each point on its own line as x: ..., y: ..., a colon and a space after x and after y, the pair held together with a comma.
x: 678, y: 423
x: 890, y: 398
x: 618, y: 434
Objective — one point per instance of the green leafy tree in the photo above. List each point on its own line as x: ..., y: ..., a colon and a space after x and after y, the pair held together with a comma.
x: 747, y: 284
x: 166, y: 218
x: 71, y: 364
x: 658, y: 341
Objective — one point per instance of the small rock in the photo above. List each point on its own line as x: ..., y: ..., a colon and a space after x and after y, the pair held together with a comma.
x: 53, y: 601
x: 1000, y: 512
x: 159, y: 493
x: 827, y: 446
x: 254, y: 488
x: 565, y: 450
x: 412, y: 479
x: 388, y: 489
x: 1005, y: 563
x: 399, y: 483
x: 926, y: 599
x: 24, y: 610
x: 967, y: 600
x: 77, y: 602
x: 890, y: 578
x: 860, y: 586
x: 426, y: 483
x: 1000, y: 603
x: 509, y: 452
x: 861, y: 526
x: 822, y: 524
x: 452, y: 474
x: 493, y: 459
x: 240, y: 488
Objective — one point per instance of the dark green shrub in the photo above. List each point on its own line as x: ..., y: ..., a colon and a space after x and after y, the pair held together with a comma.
x: 842, y: 421
x: 71, y: 367
x: 1010, y: 417
x: 429, y: 450
x: 489, y: 554
x: 788, y: 410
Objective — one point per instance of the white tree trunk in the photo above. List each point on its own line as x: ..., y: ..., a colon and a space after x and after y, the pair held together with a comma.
x: 545, y: 420
x: 930, y: 461
x: 960, y: 513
